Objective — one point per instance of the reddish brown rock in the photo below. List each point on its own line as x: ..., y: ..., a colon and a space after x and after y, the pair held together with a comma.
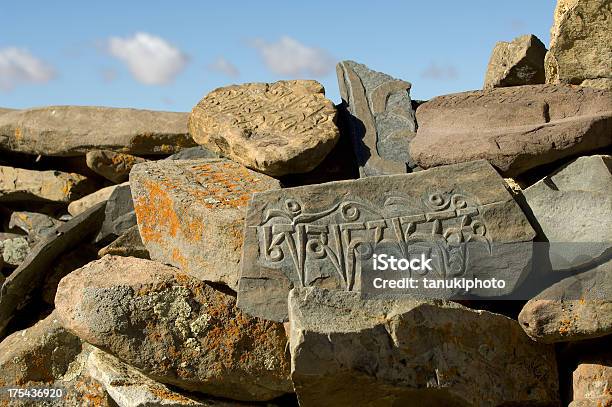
x: 191, y: 213
x: 515, y: 128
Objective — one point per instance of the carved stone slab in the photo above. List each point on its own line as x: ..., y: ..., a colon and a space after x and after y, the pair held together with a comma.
x: 317, y: 235
x: 276, y: 128
x: 381, y: 120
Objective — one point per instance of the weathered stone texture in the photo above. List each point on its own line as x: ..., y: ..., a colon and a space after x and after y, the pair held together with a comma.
x: 82, y: 204
x: 191, y: 213
x: 112, y: 165
x: 174, y: 328
x: 280, y: 128
x: 36, y: 225
x: 128, y: 244
x: 592, y: 385
x: 515, y: 63
x: 380, y: 119
x: 515, y: 128
x: 348, y: 351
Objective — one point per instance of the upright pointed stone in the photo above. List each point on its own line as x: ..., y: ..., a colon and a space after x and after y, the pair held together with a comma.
x: 380, y: 118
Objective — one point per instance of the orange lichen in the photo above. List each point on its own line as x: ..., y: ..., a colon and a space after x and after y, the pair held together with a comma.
x: 155, y: 213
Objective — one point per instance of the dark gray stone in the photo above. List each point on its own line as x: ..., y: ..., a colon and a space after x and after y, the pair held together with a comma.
x: 323, y: 235
x: 36, y: 225
x: 128, y: 244
x: 193, y: 153
x: 119, y: 215
x: 381, y: 119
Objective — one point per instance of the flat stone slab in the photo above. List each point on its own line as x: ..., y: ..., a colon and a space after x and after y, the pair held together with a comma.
x: 380, y: 119
x: 36, y: 225
x: 128, y: 244
x: 174, y: 328
x: 191, y: 213
x: 18, y: 184
x: 572, y: 208
x: 75, y: 130
x: 112, y: 165
x: 592, y: 384
x: 346, y: 351
x: 321, y: 235
x: 86, y: 202
x: 278, y: 128
x: 515, y: 128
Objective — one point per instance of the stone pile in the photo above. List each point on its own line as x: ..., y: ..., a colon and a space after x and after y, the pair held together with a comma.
x: 203, y: 259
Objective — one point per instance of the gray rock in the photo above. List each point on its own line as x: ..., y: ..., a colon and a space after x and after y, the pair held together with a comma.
x: 572, y: 209
x: 191, y: 213
x: 515, y: 129
x: 112, y: 165
x: 130, y: 388
x: 16, y: 291
x: 174, y: 328
x: 128, y: 244
x: 193, y: 153
x: 17, y: 184
x: 119, y: 214
x: 576, y: 308
x: 349, y: 351
x: 14, y: 250
x: 381, y: 119
x: 81, y: 205
x: 48, y: 356
x: 75, y: 130
x: 520, y: 62
x: 325, y: 235
x: 36, y: 225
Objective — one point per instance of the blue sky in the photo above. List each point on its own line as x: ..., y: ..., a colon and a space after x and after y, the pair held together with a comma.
x: 168, y: 55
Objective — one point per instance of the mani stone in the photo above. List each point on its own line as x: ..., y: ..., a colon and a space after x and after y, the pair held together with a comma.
x: 380, y: 119
x: 520, y: 62
x: 75, y: 130
x: 191, y: 213
x: 314, y: 235
x: 36, y: 225
x: 347, y: 351
x: 576, y: 308
x: 581, y: 44
x: 515, y: 128
x: 81, y: 205
x: 592, y: 385
x: 111, y: 165
x: 278, y: 128
x: 573, y: 210
x: 17, y: 184
x: 174, y: 328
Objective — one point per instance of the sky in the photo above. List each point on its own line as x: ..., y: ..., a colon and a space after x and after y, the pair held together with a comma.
x: 168, y: 55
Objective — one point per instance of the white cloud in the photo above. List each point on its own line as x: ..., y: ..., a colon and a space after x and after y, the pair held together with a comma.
x: 19, y: 66
x: 150, y: 59
x: 289, y: 57
x: 443, y: 72
x: 224, y: 66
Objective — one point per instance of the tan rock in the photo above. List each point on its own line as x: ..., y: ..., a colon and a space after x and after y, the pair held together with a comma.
x: 111, y: 165
x: 174, y: 328
x: 592, y: 385
x: 75, y: 130
x: 81, y: 205
x: 191, y: 213
x: 581, y: 44
x: 128, y: 244
x: 280, y: 128
x: 520, y: 62
x: 17, y: 184
x: 515, y: 128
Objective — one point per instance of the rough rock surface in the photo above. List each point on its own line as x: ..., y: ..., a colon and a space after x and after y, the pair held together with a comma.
x: 16, y: 291
x: 193, y: 153
x: 112, y: 165
x: 36, y: 225
x: 515, y: 128
x: 75, y: 130
x: 48, y: 356
x: 380, y: 119
x: 276, y: 128
x: 576, y: 308
x: 520, y: 62
x: 130, y: 388
x: 174, y: 328
x: 191, y: 213
x: 572, y: 209
x: 128, y: 244
x: 313, y: 235
x: 347, y: 351
x: 82, y: 204
x: 14, y: 250
x: 119, y: 215
x: 17, y: 184
x: 592, y: 385
x: 581, y: 44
